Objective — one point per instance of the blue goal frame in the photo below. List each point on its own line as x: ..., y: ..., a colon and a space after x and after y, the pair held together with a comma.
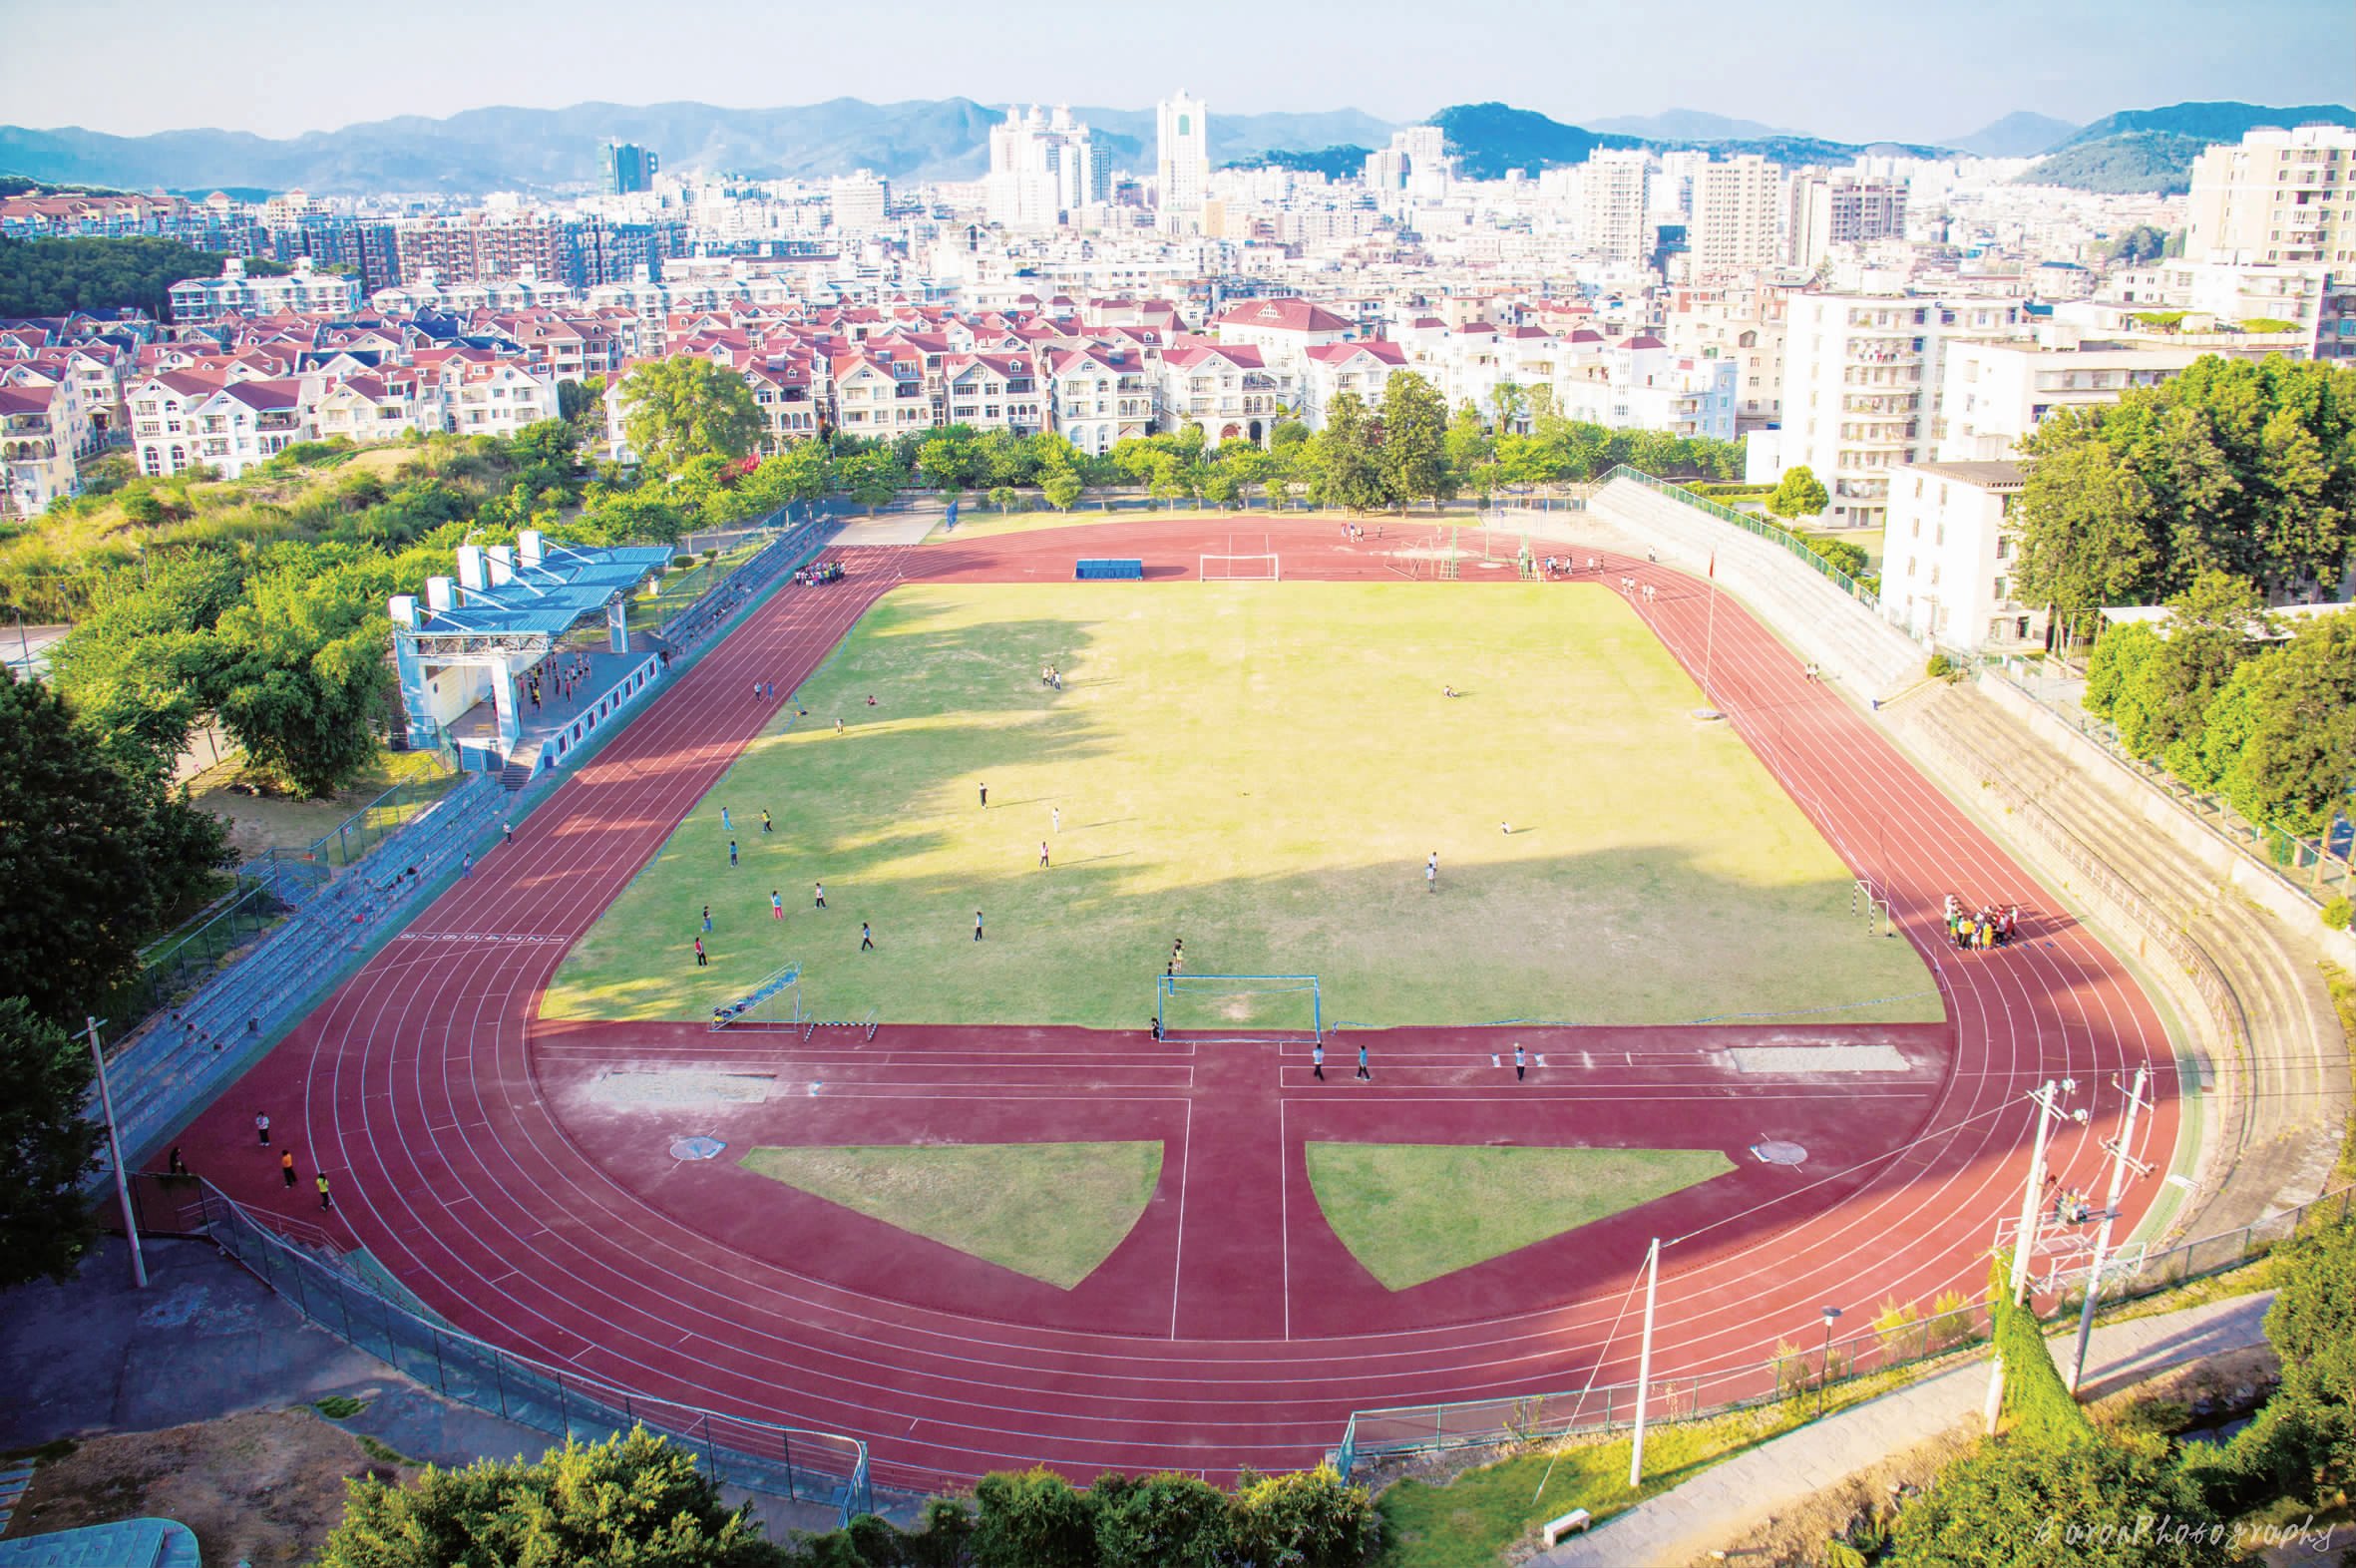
x: 1166, y: 985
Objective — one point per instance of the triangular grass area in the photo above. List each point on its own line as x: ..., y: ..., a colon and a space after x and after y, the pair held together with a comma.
x: 1053, y: 1211
x: 1412, y: 1212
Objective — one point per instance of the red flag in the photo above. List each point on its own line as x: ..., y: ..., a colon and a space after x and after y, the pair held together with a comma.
x: 1713, y: 564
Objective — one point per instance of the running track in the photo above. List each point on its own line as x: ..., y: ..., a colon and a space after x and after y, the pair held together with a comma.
x: 1230, y: 1328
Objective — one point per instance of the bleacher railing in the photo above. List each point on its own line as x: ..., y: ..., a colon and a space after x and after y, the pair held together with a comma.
x: 718, y: 602
x: 1797, y: 1367
x: 368, y: 827
x: 800, y: 1463
x: 1783, y: 538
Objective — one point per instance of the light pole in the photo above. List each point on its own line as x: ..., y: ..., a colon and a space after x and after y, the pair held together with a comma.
x: 2121, y: 1159
x: 1831, y: 1317
x: 106, y: 1100
x: 2024, y: 1235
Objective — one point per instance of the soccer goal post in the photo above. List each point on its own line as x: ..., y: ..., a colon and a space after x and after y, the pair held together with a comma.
x: 1212, y: 1007
x: 1239, y: 569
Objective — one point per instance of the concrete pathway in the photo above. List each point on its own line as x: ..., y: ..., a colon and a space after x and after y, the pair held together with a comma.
x: 1728, y: 1500
x: 890, y: 528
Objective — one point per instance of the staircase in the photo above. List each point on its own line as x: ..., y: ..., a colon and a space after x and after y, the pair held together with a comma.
x: 521, y: 759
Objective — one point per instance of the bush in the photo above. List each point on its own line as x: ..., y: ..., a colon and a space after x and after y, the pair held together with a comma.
x: 2338, y: 913
x: 1939, y: 667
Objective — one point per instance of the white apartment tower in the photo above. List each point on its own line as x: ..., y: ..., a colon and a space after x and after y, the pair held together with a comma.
x: 1842, y: 209
x: 1182, y: 161
x: 1737, y: 212
x: 1614, y: 200
x: 1042, y: 167
x: 2276, y: 196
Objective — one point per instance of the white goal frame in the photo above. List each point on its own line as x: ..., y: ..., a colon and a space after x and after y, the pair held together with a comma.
x: 1226, y: 574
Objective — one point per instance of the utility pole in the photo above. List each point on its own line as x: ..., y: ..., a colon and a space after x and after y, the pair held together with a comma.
x: 1643, y: 1365
x: 106, y: 1100
x: 2119, y: 1161
x: 2025, y: 1236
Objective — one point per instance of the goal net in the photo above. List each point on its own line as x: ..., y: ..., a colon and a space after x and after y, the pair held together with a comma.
x: 1238, y: 568
x: 1201, y: 1007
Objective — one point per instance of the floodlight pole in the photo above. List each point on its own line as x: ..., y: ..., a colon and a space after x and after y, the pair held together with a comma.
x: 2119, y: 1161
x: 1643, y: 1365
x: 106, y: 1100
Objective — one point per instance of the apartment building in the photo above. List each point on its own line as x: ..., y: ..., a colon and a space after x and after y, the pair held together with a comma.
x: 476, y: 393
x: 303, y: 291
x: 2230, y: 293
x: 1638, y: 383
x: 1363, y: 368
x: 1744, y: 326
x: 368, y: 408
x: 1951, y: 557
x: 246, y: 423
x: 1042, y: 169
x: 36, y: 458
x: 994, y: 392
x: 1737, y: 216
x: 1615, y: 203
x: 1992, y: 395
x: 876, y: 396
x: 1828, y: 213
x: 1182, y: 156
x: 2276, y: 196
x: 1223, y: 390
x: 1283, y: 332
x: 1861, y: 375
x: 161, y: 432
x: 782, y: 390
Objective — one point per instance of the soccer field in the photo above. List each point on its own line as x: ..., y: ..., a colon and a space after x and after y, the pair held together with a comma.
x: 1259, y: 769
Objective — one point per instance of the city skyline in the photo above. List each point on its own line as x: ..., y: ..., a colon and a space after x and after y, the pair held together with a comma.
x: 2088, y: 59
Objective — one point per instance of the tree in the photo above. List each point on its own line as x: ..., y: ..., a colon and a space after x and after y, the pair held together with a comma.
x: 951, y: 461
x: 631, y: 1500
x: 2280, y: 738
x: 1470, y: 448
x: 1413, y: 455
x: 869, y: 478
x: 2086, y: 1502
x: 1340, y: 461
x: 1799, y: 494
x: 93, y: 858
x: 1161, y: 1521
x: 1062, y: 488
x: 800, y: 475
x: 684, y: 407
x: 1307, y: 1519
x: 2303, y: 1443
x: 51, y: 1143
x: 303, y: 679
x: 55, y: 277
x: 1033, y: 1520
x: 2156, y: 686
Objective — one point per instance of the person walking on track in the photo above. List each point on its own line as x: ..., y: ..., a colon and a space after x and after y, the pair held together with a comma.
x: 326, y: 1202
x: 766, y: 826
x: 1431, y: 873
x: 1521, y: 1065
x: 707, y: 916
x: 1043, y: 853
x: 1316, y: 1061
x: 1054, y: 818
x: 731, y: 852
x: 286, y: 1166
x: 1363, y: 1070
x: 261, y: 1127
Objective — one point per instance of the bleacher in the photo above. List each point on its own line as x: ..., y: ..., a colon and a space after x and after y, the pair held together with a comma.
x: 1854, y: 643
x: 185, y: 1054
x: 1092, y: 569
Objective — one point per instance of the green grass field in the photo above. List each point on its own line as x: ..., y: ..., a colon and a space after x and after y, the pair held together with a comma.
x: 1259, y: 769
x: 1412, y: 1212
x: 1053, y: 1211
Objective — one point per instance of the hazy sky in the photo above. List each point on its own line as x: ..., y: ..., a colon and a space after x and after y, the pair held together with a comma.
x: 1848, y: 69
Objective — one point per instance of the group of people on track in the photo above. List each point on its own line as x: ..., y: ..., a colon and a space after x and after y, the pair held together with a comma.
x: 820, y: 572
x: 1989, y: 928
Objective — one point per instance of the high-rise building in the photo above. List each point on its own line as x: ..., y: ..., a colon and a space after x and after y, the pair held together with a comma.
x: 1736, y: 216
x: 1182, y: 159
x: 1842, y: 209
x: 1614, y: 201
x: 2276, y: 196
x: 629, y: 168
x: 1415, y: 164
x: 856, y: 202
x: 1042, y: 169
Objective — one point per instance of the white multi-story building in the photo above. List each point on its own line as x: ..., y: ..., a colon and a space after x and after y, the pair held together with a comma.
x: 1860, y: 386
x: 1042, y: 168
x: 1991, y: 395
x: 1283, y: 330
x: 1737, y: 216
x: 856, y: 202
x: 486, y: 397
x: 2230, y: 293
x: 304, y: 292
x: 1615, y: 203
x: 1365, y: 368
x: 1415, y: 167
x: 994, y: 392
x: 1950, y: 558
x: 36, y: 455
x: 2276, y: 196
x: 1222, y: 389
x: 1744, y: 326
x: 1100, y: 397
x: 246, y: 423
x: 1637, y: 383
x: 1182, y: 156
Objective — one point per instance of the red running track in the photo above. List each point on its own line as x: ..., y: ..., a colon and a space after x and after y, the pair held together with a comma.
x: 471, y: 1154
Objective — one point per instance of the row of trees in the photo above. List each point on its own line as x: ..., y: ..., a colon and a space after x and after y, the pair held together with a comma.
x: 55, y: 277
x: 2240, y: 467
x: 637, y: 1499
x: 2235, y: 704
x: 2057, y: 1489
x: 696, y: 423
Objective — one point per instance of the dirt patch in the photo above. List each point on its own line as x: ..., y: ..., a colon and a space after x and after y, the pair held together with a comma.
x: 264, y: 1488
x: 1796, y: 1537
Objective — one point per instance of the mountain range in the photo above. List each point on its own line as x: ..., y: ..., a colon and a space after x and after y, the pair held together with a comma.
x: 544, y: 149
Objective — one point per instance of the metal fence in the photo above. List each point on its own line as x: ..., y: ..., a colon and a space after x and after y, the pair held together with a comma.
x: 718, y: 604
x: 373, y: 822
x: 2322, y: 866
x: 304, y: 1269
x: 1897, y: 1340
x: 1783, y: 538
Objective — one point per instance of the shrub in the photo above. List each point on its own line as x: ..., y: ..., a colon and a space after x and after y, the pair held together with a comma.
x: 1939, y: 667
x: 2338, y: 913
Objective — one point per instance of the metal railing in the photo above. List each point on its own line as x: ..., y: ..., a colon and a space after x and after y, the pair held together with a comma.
x: 373, y: 822
x: 1894, y: 1343
x: 720, y: 603
x: 800, y: 1463
x: 1783, y: 538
